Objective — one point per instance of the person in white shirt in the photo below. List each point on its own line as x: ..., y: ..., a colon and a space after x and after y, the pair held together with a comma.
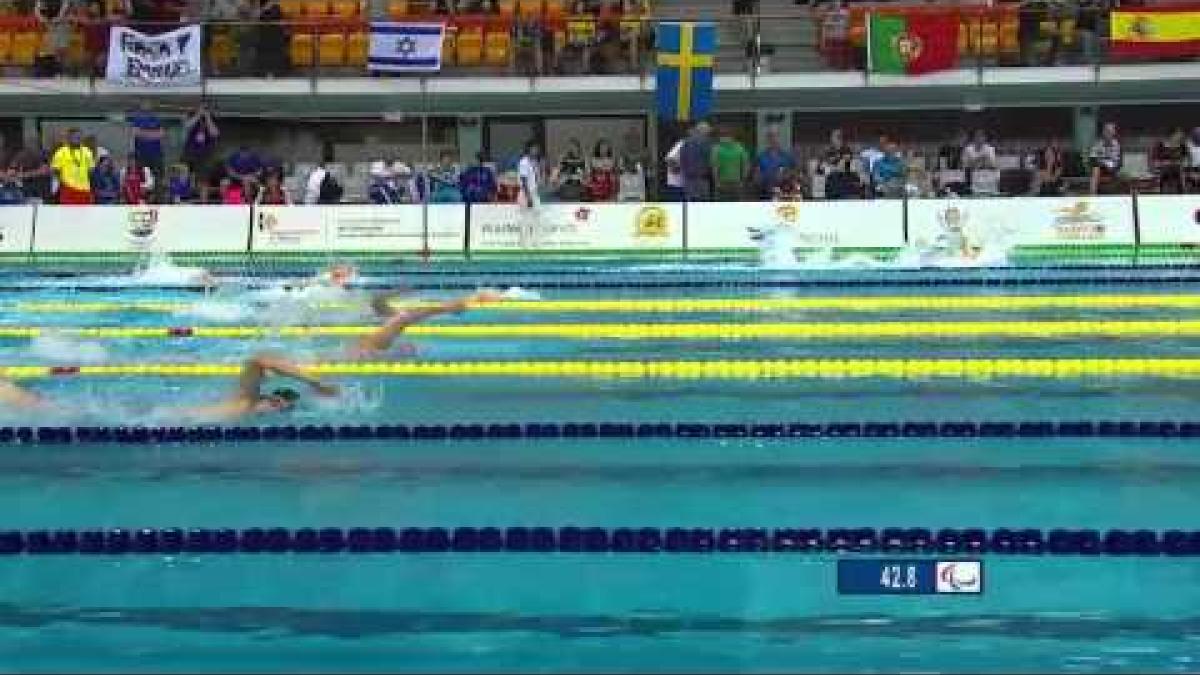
x: 674, y: 191
x: 528, y: 174
x: 312, y: 187
x: 979, y: 154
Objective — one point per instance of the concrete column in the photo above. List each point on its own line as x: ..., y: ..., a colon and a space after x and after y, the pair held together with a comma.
x: 30, y: 136
x: 470, y: 138
x: 1086, y: 122
x: 780, y: 121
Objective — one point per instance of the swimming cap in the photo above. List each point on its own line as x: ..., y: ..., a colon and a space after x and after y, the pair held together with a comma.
x: 287, y: 394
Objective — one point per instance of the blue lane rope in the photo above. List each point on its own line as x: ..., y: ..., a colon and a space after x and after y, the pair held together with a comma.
x: 548, y: 431
x: 573, y: 539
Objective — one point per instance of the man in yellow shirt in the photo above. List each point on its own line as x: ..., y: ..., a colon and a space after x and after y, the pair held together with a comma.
x: 73, y: 164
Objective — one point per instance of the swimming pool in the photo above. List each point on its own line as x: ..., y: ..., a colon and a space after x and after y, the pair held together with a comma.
x: 786, y: 427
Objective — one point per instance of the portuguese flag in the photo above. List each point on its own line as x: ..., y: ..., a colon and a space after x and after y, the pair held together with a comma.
x: 913, y: 43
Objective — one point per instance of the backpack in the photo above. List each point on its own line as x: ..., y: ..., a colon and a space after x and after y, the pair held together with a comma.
x: 331, y: 190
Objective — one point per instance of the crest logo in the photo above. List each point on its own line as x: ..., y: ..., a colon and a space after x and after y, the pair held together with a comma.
x: 652, y: 222
x: 908, y: 46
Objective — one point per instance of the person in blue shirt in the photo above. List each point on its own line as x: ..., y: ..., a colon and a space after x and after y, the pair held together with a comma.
x: 382, y: 190
x: 244, y: 165
x: 181, y: 189
x: 443, y: 181
x: 478, y: 182
x: 771, y: 165
x: 888, y: 171
x: 148, y: 140
x: 106, y: 181
x: 11, y: 193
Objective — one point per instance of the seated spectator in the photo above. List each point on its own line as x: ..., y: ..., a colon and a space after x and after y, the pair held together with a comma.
x: 410, y: 187
x: 478, y: 182
x: 106, y: 180
x: 1051, y: 162
x: 1105, y: 159
x: 273, y: 193
x: 836, y: 155
x: 443, y: 181
x: 770, y: 165
x: 979, y: 154
x: 888, y: 172
x: 789, y: 187
x: 570, y: 173
x: 632, y: 181
x: 320, y: 187
x: 1168, y: 159
x: 602, y: 174
x: 137, y: 182
x: 730, y: 167
x: 232, y: 193
x: 180, y: 189
x: 382, y: 189
x: 243, y: 165
x: 674, y: 178
x: 11, y: 192
x: 35, y: 173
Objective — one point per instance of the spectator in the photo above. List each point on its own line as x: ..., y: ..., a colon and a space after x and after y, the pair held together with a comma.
x: 96, y: 27
x: 243, y: 166
x: 888, y: 172
x: 1105, y: 159
x: 1192, y: 171
x: 273, y: 193
x: 1050, y: 164
x: 36, y: 175
x: 950, y: 155
x: 788, y: 188
x: 199, y: 147
x: 443, y: 180
x: 180, y: 188
x: 872, y: 154
x: 73, y: 164
x: 410, y: 186
x: 1168, y: 158
x: 92, y: 144
x: 382, y: 189
x: 55, y: 17
x: 272, y: 48
x: 231, y: 193
x: 632, y: 181
x: 602, y: 174
x: 730, y: 167
x: 695, y: 161
x: 137, y: 182
x: 979, y: 154
x: 571, y: 172
x: 148, y: 140
x: 529, y: 171
x: 321, y: 187
x: 771, y: 164
x: 11, y: 192
x: 674, y: 189
x: 106, y: 180
x: 478, y: 182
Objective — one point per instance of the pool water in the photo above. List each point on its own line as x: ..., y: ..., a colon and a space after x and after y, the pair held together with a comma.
x: 598, y: 612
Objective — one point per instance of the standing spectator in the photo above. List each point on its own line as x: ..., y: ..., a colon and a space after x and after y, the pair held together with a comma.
x: 950, y: 155
x: 11, y: 193
x: 73, y: 164
x: 837, y: 154
x: 314, y: 185
x: 1105, y: 159
x: 602, y: 174
x: 632, y: 181
x: 273, y: 193
x: 148, y: 141
x: 181, y: 189
x: 411, y: 187
x: 872, y: 154
x: 695, y: 161
x: 730, y: 167
x: 771, y: 165
x: 36, y: 174
x: 571, y: 172
x: 443, y: 180
x: 478, y: 182
x: 529, y: 170
x: 674, y: 189
x: 199, y: 147
x: 232, y: 193
x: 888, y: 172
x: 243, y: 166
x: 56, y: 17
x: 92, y: 144
x: 1168, y: 158
x: 382, y: 190
x: 979, y: 154
x: 272, y: 40
x: 96, y: 27
x: 137, y: 182
x: 106, y: 180
x: 1050, y: 164
x: 841, y: 178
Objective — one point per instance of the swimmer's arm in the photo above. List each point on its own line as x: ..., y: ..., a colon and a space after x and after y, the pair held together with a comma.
x: 15, y: 396
x: 257, y: 368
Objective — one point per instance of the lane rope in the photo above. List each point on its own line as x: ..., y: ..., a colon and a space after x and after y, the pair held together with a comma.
x: 651, y: 331
x: 972, y: 368
x: 679, y: 305
x: 603, y: 540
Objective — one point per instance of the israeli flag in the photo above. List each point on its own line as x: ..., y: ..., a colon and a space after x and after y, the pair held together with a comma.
x: 405, y: 47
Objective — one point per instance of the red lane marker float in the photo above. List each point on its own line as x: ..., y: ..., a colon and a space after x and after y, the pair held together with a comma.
x: 64, y: 370
x: 181, y: 331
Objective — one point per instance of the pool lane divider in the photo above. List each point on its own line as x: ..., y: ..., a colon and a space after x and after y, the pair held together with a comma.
x: 659, y: 331
x: 900, y: 430
x: 680, y: 305
x: 723, y: 369
x: 651, y: 540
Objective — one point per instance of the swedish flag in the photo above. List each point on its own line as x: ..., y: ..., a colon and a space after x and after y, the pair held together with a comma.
x: 686, y: 53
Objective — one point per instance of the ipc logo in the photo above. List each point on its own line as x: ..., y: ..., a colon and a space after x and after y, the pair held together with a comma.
x: 959, y: 577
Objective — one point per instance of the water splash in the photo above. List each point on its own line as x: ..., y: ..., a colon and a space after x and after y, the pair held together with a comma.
x: 518, y: 293
x: 63, y: 348
x: 158, y: 269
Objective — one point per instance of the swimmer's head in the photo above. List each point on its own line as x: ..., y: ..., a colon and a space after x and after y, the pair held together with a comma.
x: 280, y: 400
x: 342, y: 274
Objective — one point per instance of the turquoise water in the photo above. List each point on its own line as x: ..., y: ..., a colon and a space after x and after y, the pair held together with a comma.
x: 580, y: 612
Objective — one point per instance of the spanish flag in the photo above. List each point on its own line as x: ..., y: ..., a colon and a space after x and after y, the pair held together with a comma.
x: 1155, y: 32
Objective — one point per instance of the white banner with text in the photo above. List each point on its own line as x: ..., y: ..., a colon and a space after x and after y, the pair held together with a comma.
x: 832, y: 224
x: 136, y: 229
x: 16, y: 229
x: 1169, y: 219
x: 166, y: 60
x: 358, y: 228
x: 577, y: 227
x: 1022, y: 221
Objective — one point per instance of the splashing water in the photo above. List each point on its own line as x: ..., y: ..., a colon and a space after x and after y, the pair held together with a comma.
x: 158, y: 269
x: 518, y: 293
x: 62, y: 348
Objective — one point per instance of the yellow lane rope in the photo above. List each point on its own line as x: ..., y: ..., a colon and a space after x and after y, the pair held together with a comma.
x: 677, y: 305
x: 652, y: 331
x: 713, y: 369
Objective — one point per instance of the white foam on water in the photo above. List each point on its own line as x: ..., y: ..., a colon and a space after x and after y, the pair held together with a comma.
x: 158, y: 269
x: 56, y: 346
x: 518, y: 293
x: 217, y: 311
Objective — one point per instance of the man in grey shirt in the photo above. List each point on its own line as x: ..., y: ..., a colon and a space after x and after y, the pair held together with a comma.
x: 695, y: 162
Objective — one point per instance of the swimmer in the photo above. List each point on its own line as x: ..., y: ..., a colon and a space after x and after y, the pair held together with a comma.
x: 396, y: 321
x: 13, y: 395
x: 249, y: 398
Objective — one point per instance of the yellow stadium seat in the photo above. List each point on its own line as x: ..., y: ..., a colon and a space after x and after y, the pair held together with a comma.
x: 76, y: 51
x: 222, y: 51
x: 554, y: 11
x: 302, y: 51
x: 358, y: 45
x: 450, y: 47
x: 331, y: 49
x: 1066, y: 29
x: 6, y: 40
x: 631, y: 30
x: 345, y: 9
x: 397, y: 9
x: 506, y: 8
x: 581, y: 31
x: 470, y: 48
x: 316, y: 9
x: 529, y: 10
x: 25, y: 47
x: 292, y: 9
x: 497, y: 49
